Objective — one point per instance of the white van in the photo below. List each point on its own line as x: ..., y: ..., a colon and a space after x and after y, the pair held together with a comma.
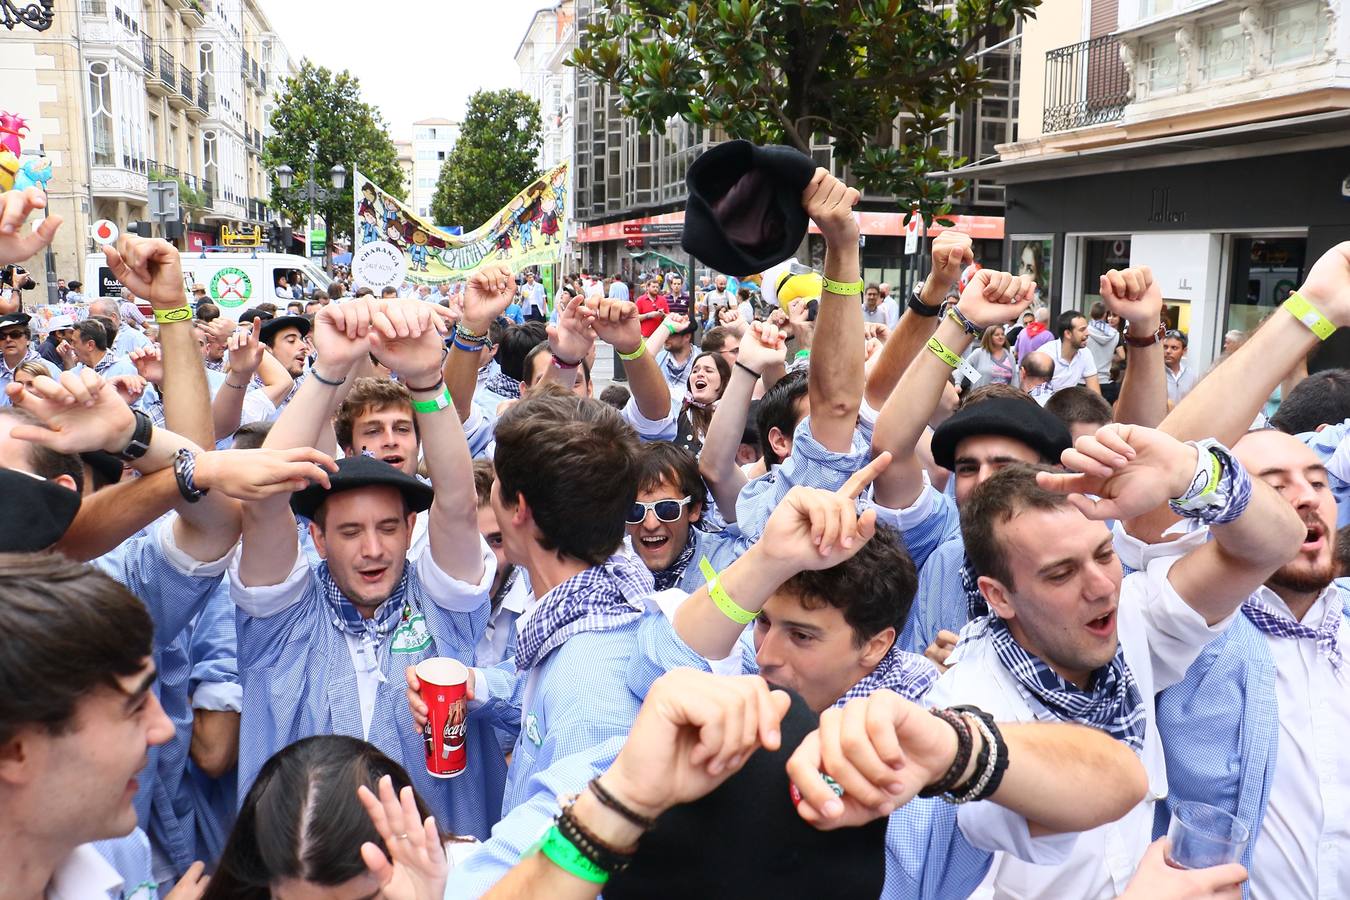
x: 234, y: 280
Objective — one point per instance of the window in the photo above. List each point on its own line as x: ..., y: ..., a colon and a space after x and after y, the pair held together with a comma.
x: 1162, y: 63
x: 440, y: 156
x: 210, y: 170
x: 206, y: 61
x: 1221, y: 51
x: 100, y: 114
x: 1296, y: 32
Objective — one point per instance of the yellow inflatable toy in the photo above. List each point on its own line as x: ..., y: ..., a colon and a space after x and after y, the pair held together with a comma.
x: 788, y: 281
x: 9, y: 169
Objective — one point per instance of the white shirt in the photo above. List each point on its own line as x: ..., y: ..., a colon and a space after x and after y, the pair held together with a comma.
x: 1070, y: 372
x: 1180, y: 382
x: 1303, y: 850
x: 84, y: 875
x: 535, y: 297
x: 491, y: 648
x: 887, y: 313
x: 715, y: 300
x: 1161, y: 636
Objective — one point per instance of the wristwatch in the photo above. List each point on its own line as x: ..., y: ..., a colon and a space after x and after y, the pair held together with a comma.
x: 140, y: 438
x: 184, y: 467
x: 922, y: 309
x: 1136, y: 341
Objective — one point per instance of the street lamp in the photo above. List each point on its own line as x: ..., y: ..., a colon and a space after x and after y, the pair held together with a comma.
x: 315, y: 194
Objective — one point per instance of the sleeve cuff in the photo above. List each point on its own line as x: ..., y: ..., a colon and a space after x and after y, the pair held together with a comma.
x: 261, y: 601
x: 1136, y: 555
x: 482, y: 693
x: 181, y: 561
x: 994, y: 828
x: 448, y: 592
x: 914, y: 514
x: 219, y: 696
x: 650, y: 428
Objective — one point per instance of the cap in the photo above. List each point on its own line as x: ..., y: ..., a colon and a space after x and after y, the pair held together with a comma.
x: 253, y: 313
x: 198, y: 287
x: 56, y: 322
x: 744, y: 212
x: 787, y: 858
x: 359, y: 472
x: 38, y: 511
x: 1004, y: 416
x: 15, y: 318
x: 270, y: 327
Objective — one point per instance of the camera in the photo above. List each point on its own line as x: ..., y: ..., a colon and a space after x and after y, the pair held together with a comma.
x: 17, y: 277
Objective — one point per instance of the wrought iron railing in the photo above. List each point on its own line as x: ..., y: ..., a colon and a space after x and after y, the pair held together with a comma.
x: 1085, y: 84
x: 167, y: 67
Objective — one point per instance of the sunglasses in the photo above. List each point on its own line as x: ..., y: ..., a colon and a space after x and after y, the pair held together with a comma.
x: 12, y: 335
x: 666, y: 510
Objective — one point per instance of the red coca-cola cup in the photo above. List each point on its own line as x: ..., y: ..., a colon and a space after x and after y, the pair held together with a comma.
x: 445, y: 692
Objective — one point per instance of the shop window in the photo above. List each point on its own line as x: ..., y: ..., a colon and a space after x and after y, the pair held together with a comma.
x: 1264, y: 273
x: 1035, y: 257
x: 1100, y: 255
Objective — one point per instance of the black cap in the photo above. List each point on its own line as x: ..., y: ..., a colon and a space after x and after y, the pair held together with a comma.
x: 37, y: 511
x: 270, y: 327
x: 252, y: 313
x: 1021, y: 420
x: 15, y: 318
x: 107, y: 466
x: 744, y: 212
x: 359, y: 472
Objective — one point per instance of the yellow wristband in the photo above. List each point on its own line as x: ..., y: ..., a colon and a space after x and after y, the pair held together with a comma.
x: 944, y: 353
x: 842, y: 288
x: 1297, y: 306
x: 636, y: 354
x: 177, y: 314
x: 721, y: 599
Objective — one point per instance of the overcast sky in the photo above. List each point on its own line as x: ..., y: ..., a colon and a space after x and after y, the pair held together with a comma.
x: 416, y: 59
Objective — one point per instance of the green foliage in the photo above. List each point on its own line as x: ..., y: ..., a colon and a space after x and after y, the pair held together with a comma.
x: 324, y: 109
x: 189, y: 199
x: 781, y: 71
x: 494, y: 157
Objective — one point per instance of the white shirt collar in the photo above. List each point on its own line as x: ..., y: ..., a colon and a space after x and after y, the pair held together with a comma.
x: 518, y: 597
x: 1316, y: 612
x: 83, y: 875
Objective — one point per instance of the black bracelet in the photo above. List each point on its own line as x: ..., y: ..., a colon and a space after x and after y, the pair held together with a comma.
x: 919, y: 308
x: 140, y: 438
x: 993, y: 761
x: 608, y: 799
x: 184, y: 466
x: 440, y: 382
x: 753, y: 373
x: 321, y: 380
x: 588, y: 845
x: 964, y: 744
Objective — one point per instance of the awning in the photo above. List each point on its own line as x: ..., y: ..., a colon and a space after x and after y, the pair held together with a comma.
x: 1268, y: 138
x: 873, y: 224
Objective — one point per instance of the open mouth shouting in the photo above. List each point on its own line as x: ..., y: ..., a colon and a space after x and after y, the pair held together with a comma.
x: 1103, y: 626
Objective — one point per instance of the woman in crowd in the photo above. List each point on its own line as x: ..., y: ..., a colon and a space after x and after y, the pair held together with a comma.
x: 708, y: 378
x: 992, y: 359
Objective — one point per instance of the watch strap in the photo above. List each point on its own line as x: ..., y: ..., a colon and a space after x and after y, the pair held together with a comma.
x: 140, y: 438
x: 1133, y: 340
x: 920, y: 308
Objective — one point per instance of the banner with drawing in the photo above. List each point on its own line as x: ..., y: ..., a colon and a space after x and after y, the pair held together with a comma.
x: 393, y: 245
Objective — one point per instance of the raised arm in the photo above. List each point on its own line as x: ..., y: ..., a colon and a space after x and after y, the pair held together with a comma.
x: 15, y: 208
x: 1133, y: 295
x: 991, y: 298
x: 408, y: 337
x: 487, y: 295
x: 951, y: 253
x: 246, y: 355
x: 835, y: 378
x: 616, y: 322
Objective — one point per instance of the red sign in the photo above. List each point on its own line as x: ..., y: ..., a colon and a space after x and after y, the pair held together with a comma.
x: 878, y: 224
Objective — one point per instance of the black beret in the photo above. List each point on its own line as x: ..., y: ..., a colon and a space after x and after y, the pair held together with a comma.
x: 746, y: 840
x: 37, y: 511
x: 358, y: 472
x: 107, y: 466
x: 252, y: 313
x: 270, y: 327
x: 744, y: 212
x: 1021, y: 420
x: 15, y: 318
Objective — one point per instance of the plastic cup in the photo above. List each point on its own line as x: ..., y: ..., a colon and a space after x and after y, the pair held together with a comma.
x: 445, y: 692
x: 1202, y: 836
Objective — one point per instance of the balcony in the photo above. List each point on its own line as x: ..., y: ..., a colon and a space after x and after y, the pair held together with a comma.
x: 248, y: 67
x: 158, y: 78
x: 203, y: 101
x: 181, y: 98
x: 192, y: 90
x: 1085, y: 84
x: 192, y: 13
x: 168, y: 71
x: 147, y: 54
x: 208, y: 192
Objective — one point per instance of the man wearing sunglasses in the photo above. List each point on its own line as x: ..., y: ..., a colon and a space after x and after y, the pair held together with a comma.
x: 16, y: 349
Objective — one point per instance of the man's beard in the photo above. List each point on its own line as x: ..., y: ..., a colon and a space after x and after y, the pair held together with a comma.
x: 1304, y: 580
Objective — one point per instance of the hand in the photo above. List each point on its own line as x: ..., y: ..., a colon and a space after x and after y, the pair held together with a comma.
x: 877, y: 330
x: 255, y: 474
x: 615, y: 322
x: 408, y: 336
x: 246, y: 351
x: 797, y: 315
x: 693, y: 732
x: 67, y: 354
x: 829, y: 202
x: 572, y: 338
x: 149, y: 363
x: 731, y: 320
x: 995, y: 298
x: 1132, y: 469
x: 764, y: 346
x: 812, y: 529
x: 1133, y: 295
x: 128, y: 387
x: 192, y: 885
x: 1156, y: 880
x: 415, y: 704
x: 881, y: 749
x: 675, y: 320
x: 149, y: 268
x: 951, y: 254
x: 778, y: 317
x: 416, y: 867
x: 487, y: 295
x: 15, y: 208
x: 1328, y: 284
x: 79, y: 413
x: 941, y: 648
x: 341, y: 335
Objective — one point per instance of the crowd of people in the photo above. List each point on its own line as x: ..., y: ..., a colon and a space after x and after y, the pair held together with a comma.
x: 857, y: 597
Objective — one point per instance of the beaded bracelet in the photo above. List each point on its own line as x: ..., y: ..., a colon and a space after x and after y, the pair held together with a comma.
x: 964, y: 744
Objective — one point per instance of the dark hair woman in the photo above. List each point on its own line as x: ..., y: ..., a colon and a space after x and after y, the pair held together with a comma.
x: 708, y: 378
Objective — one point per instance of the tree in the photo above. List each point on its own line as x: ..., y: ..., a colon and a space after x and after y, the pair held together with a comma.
x: 495, y: 156
x: 321, y: 109
x: 783, y: 71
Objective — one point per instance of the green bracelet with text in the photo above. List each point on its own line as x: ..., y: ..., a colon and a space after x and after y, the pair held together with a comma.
x: 567, y: 857
x: 1302, y: 309
x: 721, y: 599
x: 435, y: 404
x: 944, y: 353
x: 842, y: 288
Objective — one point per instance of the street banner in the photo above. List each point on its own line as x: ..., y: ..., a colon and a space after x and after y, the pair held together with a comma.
x: 528, y: 231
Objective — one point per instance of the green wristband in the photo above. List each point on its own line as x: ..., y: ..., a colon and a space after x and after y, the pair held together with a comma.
x: 721, y: 599
x: 1300, y: 308
x: 436, y: 404
x: 561, y: 852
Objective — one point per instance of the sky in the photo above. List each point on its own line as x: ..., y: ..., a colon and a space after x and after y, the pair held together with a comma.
x: 416, y: 59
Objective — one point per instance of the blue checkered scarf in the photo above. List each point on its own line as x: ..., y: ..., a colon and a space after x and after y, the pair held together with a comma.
x: 1275, y: 623
x: 502, y: 385
x: 374, y: 631
x: 670, y: 576
x: 970, y: 583
x: 601, y: 598
x: 1114, y: 703
x: 908, y: 674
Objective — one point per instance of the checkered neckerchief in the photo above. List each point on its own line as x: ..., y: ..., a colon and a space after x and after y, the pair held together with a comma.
x: 600, y: 598
x: 670, y: 576
x: 1271, y: 622
x: 908, y: 674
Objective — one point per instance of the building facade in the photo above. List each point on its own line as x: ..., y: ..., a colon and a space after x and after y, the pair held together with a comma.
x: 433, y: 139
x: 133, y: 91
x: 1205, y: 139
